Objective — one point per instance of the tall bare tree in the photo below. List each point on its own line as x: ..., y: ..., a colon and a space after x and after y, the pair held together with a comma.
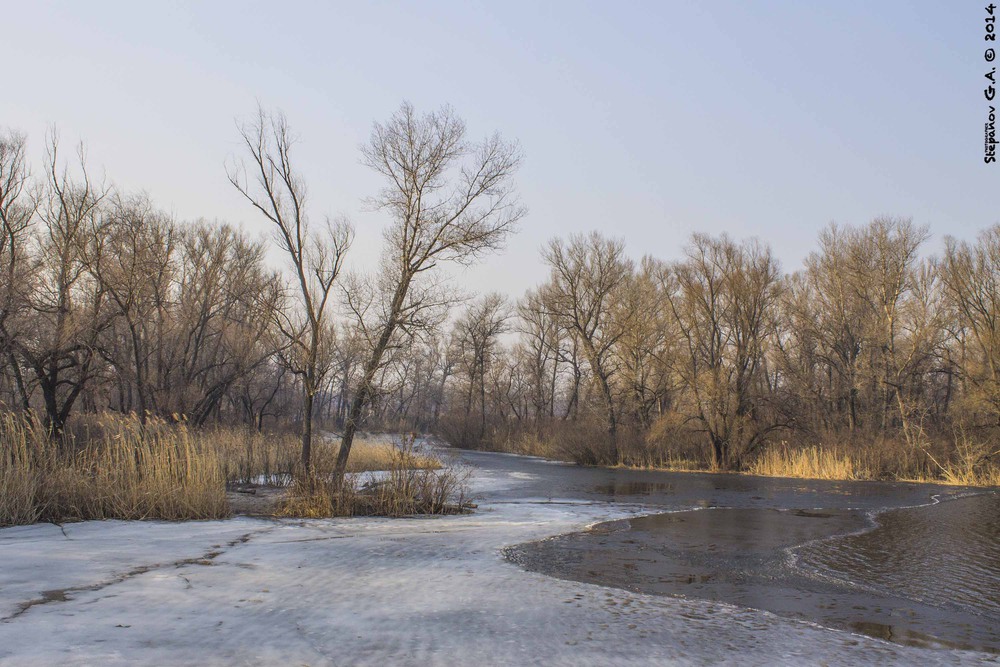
x: 587, y: 274
x: 972, y: 277
x: 17, y: 208
x: 67, y: 310
x: 450, y: 200
x: 723, y: 298
x: 130, y: 253
x: 274, y: 188
x: 477, y: 335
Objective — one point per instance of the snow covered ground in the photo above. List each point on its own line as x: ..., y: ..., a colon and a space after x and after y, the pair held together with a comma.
x: 432, y: 591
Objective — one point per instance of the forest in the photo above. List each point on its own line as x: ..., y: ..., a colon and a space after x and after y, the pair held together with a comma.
x: 872, y: 360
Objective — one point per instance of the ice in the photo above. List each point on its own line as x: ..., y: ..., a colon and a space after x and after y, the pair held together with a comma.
x: 427, y: 591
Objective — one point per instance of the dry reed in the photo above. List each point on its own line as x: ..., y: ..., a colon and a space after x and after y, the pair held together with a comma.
x: 114, y: 467
x: 809, y: 463
x: 129, y: 471
x: 410, y: 486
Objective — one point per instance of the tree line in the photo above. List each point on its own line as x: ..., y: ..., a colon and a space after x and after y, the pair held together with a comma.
x: 108, y: 303
x: 872, y: 346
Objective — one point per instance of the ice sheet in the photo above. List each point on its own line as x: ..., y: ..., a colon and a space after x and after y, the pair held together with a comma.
x: 431, y: 591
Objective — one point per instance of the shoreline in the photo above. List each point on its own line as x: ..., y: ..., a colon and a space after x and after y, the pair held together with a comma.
x: 744, y: 473
x: 702, y: 554
x: 377, y: 591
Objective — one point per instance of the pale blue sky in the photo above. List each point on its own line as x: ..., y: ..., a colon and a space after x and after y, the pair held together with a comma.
x: 642, y: 120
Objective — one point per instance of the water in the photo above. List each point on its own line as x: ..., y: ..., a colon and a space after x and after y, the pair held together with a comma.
x: 914, y: 564
x: 946, y: 555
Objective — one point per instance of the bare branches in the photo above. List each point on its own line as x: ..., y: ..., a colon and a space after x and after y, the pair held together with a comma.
x: 449, y: 200
x: 587, y: 274
x: 272, y: 186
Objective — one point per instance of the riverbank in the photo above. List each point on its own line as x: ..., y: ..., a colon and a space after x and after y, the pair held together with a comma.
x: 810, y: 463
x: 422, y: 591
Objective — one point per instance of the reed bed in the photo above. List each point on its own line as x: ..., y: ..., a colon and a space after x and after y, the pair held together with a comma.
x: 274, y: 459
x: 409, y: 487
x: 127, y: 471
x: 959, y: 458
x: 808, y: 462
x: 111, y: 466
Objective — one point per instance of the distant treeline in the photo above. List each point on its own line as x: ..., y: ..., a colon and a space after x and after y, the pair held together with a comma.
x: 872, y: 350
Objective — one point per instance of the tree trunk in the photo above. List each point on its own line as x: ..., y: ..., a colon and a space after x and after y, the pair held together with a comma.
x: 307, y: 417
x: 365, y: 391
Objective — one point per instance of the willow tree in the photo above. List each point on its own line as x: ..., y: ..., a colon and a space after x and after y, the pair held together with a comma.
x: 271, y: 184
x: 723, y: 300
x: 66, y: 311
x: 450, y: 200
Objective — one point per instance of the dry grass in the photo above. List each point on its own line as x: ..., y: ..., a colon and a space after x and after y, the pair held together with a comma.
x: 112, y: 467
x: 411, y: 486
x: 126, y: 472
x: 809, y: 463
x: 973, y: 463
x: 274, y: 459
x: 952, y: 458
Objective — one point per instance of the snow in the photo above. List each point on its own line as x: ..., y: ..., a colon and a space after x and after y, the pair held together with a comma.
x: 428, y: 591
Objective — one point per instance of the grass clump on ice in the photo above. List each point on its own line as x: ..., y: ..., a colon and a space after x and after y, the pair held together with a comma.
x: 410, y: 484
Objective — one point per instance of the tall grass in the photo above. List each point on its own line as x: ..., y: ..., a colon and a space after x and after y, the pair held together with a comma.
x: 962, y: 458
x: 973, y: 463
x: 409, y: 487
x: 250, y: 457
x: 125, y: 470
x: 114, y: 467
x: 809, y: 462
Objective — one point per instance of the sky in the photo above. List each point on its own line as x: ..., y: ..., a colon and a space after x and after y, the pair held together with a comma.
x: 646, y: 121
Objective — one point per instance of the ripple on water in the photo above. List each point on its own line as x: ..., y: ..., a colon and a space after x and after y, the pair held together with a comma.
x: 947, y: 554
x: 925, y: 576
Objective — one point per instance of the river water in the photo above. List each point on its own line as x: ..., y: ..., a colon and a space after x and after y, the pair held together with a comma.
x: 910, y: 563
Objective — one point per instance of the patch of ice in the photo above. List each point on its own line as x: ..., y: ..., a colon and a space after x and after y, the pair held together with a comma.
x: 370, y: 591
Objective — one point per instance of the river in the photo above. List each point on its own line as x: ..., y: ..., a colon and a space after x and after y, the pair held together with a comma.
x: 914, y: 564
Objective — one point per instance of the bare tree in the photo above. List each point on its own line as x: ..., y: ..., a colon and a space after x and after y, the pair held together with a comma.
x: 450, y: 200
x: 130, y: 253
x: 723, y: 299
x: 276, y: 190
x: 539, y: 352
x: 587, y: 274
x: 648, y: 334
x: 972, y: 279
x: 477, y: 335
x: 17, y: 209
x: 67, y: 310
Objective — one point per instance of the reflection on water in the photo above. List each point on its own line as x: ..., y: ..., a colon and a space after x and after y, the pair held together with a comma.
x: 925, y: 576
x: 634, y: 488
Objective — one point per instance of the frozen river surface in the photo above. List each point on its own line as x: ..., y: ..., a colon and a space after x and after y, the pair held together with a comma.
x: 435, y: 591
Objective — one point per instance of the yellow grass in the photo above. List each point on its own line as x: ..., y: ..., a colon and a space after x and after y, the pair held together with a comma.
x: 962, y: 460
x: 113, y: 467
x: 274, y: 458
x: 414, y: 485
x: 809, y: 463
x: 972, y: 463
x: 126, y: 472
